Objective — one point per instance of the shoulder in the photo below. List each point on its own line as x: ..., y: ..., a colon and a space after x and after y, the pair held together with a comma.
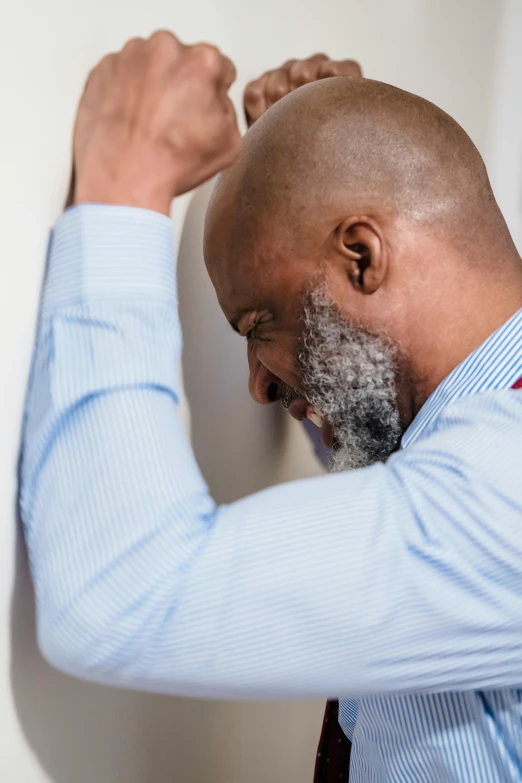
x: 475, y: 426
x: 466, y: 467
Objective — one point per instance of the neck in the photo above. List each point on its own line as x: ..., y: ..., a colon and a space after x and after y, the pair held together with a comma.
x: 463, y: 321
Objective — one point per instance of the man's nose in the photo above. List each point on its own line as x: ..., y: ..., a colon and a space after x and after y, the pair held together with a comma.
x: 263, y: 385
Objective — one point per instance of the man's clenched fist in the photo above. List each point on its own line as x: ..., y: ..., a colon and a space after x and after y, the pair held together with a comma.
x: 155, y: 120
x: 273, y: 85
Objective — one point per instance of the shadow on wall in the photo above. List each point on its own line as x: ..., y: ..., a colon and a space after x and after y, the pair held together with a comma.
x: 81, y: 733
x: 238, y: 443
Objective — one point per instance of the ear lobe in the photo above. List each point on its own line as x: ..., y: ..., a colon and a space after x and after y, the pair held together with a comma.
x: 359, y: 242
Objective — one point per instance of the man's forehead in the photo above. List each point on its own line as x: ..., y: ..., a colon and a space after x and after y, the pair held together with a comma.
x: 253, y: 264
x: 245, y: 272
x: 244, y: 287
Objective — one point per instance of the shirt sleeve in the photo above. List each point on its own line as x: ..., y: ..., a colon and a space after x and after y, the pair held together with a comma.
x: 398, y: 577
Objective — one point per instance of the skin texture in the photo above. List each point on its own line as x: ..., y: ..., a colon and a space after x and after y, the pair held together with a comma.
x: 382, y: 197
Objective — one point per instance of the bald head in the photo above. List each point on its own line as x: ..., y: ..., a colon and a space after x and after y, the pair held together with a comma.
x: 369, y: 144
x: 380, y: 199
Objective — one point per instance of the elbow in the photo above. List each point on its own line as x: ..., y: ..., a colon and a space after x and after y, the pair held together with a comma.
x: 67, y: 656
x: 71, y: 645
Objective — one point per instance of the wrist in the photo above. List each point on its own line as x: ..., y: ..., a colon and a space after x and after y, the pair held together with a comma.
x: 124, y: 195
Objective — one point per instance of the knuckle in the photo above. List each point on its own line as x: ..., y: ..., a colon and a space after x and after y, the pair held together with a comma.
x: 253, y: 114
x: 329, y: 69
x: 133, y: 43
x: 209, y: 57
x: 277, y: 91
x: 230, y: 69
x: 305, y: 75
x: 351, y: 68
x: 319, y: 57
x: 106, y: 62
x: 300, y: 72
x: 162, y: 40
x: 253, y: 92
x: 340, y: 68
x: 254, y: 85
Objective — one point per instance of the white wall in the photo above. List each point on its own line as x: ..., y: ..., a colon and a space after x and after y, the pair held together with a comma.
x: 53, y: 728
x: 504, y: 155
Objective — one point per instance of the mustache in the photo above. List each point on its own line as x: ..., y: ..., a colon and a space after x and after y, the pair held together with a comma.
x: 288, y: 396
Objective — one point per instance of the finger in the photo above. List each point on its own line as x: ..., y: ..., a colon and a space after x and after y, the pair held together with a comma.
x: 277, y: 85
x: 133, y: 56
x: 305, y: 71
x: 98, y: 76
x: 317, y: 58
x: 209, y: 60
x: 106, y: 65
x: 164, y: 39
x: 234, y: 133
x: 132, y: 45
x: 228, y: 117
x: 230, y: 148
x: 254, y: 100
x: 339, y: 68
x: 228, y: 73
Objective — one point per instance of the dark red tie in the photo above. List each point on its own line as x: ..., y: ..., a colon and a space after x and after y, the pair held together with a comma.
x: 332, y: 764
x: 333, y: 756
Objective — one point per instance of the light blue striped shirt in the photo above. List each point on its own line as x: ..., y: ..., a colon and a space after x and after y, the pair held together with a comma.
x: 397, y: 588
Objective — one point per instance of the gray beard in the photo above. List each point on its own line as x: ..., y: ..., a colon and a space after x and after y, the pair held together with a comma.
x: 349, y: 376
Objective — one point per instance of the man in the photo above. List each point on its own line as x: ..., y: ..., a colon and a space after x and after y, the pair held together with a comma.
x: 356, y: 244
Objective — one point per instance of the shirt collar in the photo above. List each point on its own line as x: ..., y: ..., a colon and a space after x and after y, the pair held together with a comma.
x: 496, y: 364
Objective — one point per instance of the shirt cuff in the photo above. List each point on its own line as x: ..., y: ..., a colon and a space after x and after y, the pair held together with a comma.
x: 99, y: 252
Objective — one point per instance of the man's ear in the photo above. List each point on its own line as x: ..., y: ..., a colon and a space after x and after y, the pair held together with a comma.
x: 358, y: 240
